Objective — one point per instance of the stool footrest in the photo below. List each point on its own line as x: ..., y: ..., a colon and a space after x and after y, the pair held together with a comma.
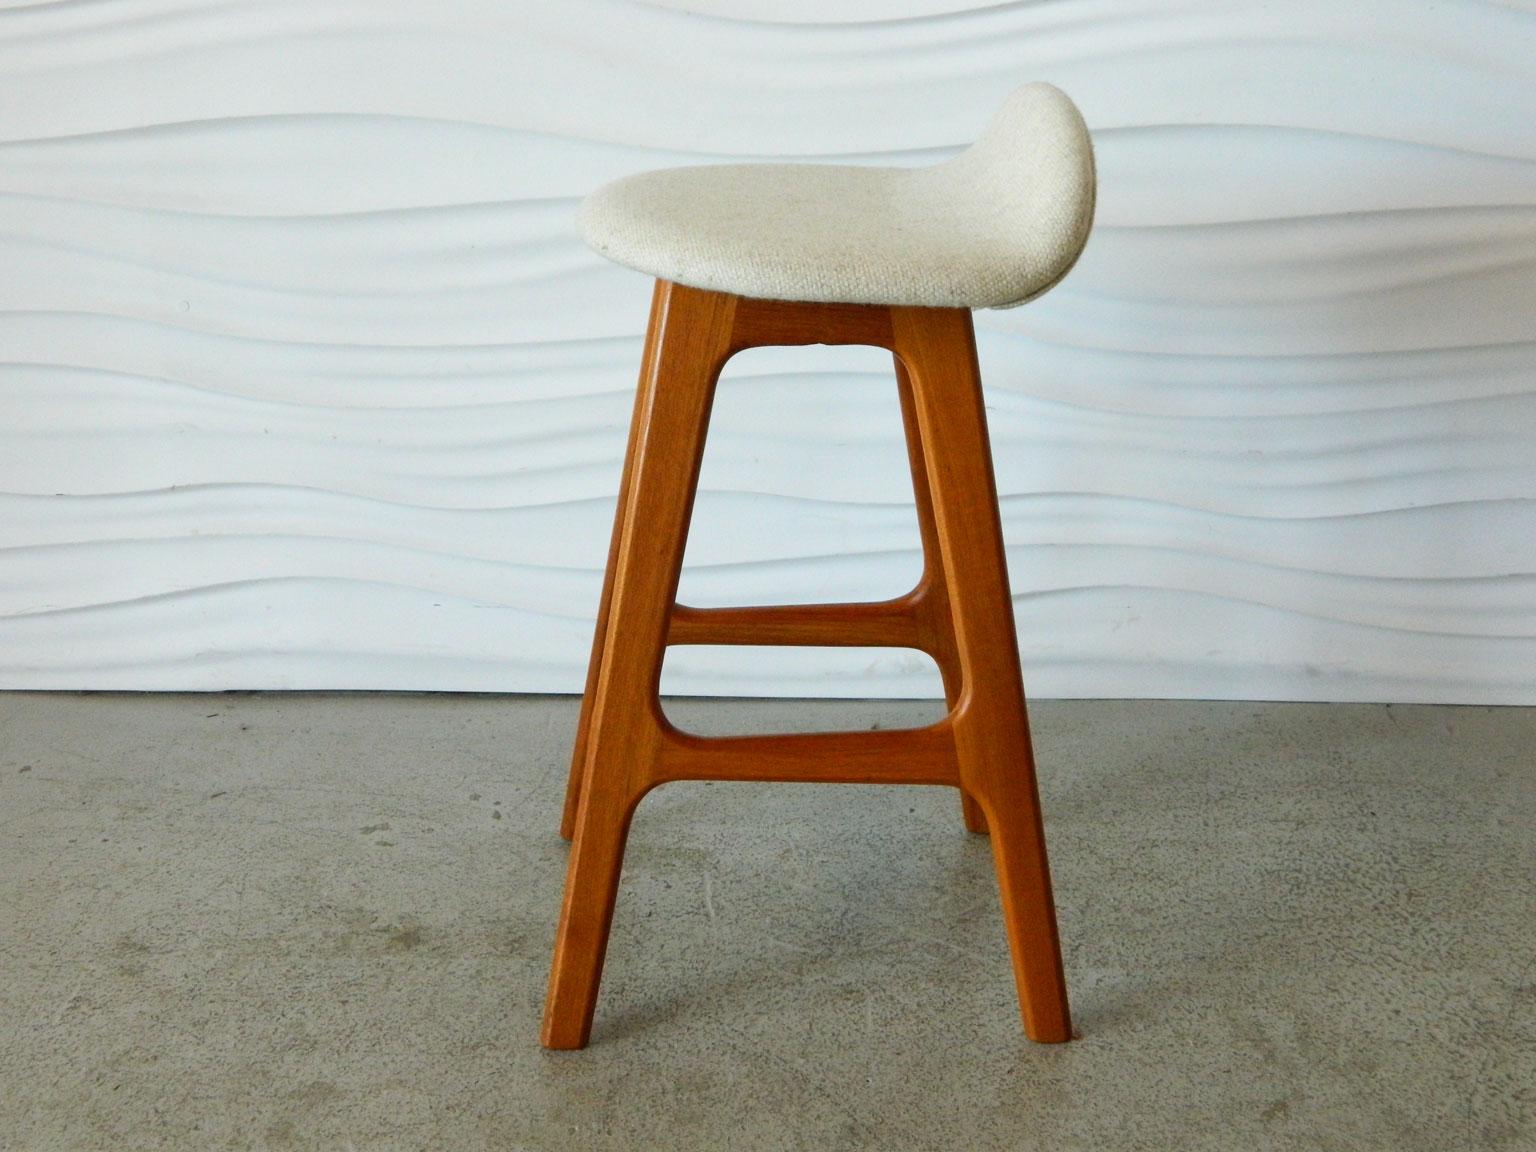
x: 894, y: 756
x: 884, y: 624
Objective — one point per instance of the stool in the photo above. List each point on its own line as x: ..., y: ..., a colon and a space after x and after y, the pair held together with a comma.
x: 753, y: 255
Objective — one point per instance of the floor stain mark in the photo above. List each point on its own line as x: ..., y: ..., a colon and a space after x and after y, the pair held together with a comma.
x: 404, y: 938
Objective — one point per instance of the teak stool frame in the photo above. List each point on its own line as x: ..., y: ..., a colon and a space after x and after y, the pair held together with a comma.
x: 960, y: 613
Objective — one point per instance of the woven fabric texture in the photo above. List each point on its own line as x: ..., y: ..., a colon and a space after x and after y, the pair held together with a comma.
x: 991, y: 228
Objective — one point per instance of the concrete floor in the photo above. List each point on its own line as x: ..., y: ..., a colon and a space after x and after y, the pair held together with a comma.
x: 309, y: 921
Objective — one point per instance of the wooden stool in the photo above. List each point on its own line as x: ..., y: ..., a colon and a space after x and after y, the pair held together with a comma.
x: 960, y: 613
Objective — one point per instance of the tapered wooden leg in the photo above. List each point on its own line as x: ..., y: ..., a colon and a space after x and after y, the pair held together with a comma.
x: 960, y: 613
x: 573, y: 782
x: 971, y: 812
x: 992, y: 745
x: 691, y: 334
x: 935, y: 592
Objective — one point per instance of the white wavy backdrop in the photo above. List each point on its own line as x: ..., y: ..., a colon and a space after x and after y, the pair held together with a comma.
x: 306, y: 381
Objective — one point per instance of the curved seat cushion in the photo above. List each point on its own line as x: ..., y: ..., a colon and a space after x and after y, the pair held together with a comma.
x: 993, y: 227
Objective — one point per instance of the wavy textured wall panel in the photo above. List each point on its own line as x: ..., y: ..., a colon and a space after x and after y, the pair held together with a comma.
x: 307, y: 382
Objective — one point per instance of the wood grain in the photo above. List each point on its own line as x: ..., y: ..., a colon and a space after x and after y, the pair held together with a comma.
x: 960, y: 612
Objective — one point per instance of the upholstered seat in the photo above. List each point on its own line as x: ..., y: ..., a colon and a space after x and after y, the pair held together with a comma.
x: 993, y: 227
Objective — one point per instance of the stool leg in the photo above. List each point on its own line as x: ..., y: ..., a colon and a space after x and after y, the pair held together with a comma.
x: 691, y: 333
x: 990, y: 724
x: 943, y: 636
x: 970, y: 811
x: 573, y: 782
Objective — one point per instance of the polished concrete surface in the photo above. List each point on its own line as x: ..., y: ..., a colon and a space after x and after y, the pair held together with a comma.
x: 312, y: 921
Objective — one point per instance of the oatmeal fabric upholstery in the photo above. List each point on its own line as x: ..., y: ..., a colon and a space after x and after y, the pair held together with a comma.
x: 993, y: 227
